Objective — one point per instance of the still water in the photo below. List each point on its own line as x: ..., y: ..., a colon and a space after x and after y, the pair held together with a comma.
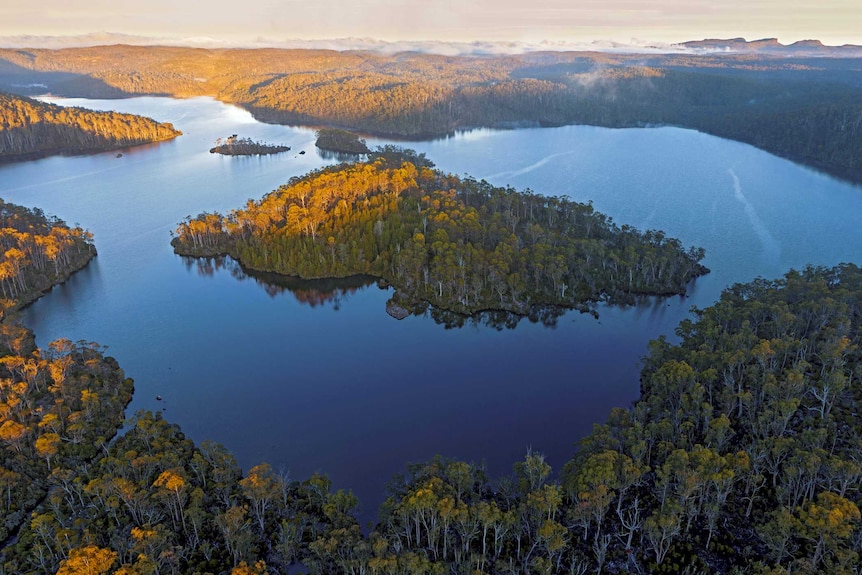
x: 311, y: 381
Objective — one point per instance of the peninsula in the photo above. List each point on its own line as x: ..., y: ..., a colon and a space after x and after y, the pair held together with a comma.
x: 37, y: 252
x: 30, y: 128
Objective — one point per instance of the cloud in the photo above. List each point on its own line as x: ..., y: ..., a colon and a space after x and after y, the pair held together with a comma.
x: 341, y: 44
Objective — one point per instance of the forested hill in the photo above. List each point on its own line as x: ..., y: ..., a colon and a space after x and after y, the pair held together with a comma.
x: 802, y: 108
x: 458, y: 244
x: 31, y: 128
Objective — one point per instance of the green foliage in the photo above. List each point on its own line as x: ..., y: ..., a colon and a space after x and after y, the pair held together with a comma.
x: 746, y: 432
x: 741, y: 457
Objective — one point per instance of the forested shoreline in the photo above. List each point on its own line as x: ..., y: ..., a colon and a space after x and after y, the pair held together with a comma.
x: 58, y: 406
x: 454, y: 243
x: 38, y: 252
x: 803, y: 108
x: 29, y: 129
x: 741, y: 456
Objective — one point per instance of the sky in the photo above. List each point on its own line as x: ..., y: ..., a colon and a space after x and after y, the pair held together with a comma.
x: 669, y: 21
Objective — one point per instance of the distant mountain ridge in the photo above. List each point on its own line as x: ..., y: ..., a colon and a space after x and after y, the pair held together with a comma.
x: 807, y: 48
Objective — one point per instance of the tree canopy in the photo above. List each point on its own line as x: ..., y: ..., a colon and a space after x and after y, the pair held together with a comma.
x: 742, y: 456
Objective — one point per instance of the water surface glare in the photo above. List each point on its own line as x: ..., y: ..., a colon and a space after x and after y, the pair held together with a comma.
x: 339, y: 386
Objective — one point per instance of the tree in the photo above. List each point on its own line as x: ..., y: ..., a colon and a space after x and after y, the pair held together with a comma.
x: 828, y: 524
x: 13, y: 433
x: 47, y: 446
x: 259, y: 568
x: 261, y: 487
x: 173, y: 482
x: 89, y: 560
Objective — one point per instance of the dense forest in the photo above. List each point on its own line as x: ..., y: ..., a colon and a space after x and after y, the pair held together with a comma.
x: 236, y: 146
x: 31, y: 128
x: 455, y: 243
x: 803, y: 108
x: 742, y: 456
x: 58, y: 406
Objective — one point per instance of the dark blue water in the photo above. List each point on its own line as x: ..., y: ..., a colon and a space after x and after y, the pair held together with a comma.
x: 338, y: 386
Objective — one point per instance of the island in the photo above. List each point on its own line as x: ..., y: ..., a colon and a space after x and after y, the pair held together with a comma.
x: 30, y: 128
x: 235, y: 146
x: 454, y: 243
x: 340, y: 142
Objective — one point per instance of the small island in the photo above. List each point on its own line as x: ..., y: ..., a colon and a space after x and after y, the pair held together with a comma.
x: 31, y: 129
x: 235, y: 146
x: 340, y: 142
x: 453, y: 243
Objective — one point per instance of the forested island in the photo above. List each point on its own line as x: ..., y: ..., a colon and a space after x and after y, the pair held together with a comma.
x: 236, y: 146
x: 791, y: 102
x: 340, y: 141
x: 454, y: 243
x: 29, y: 128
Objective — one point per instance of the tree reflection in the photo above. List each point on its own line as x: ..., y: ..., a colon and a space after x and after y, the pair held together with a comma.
x: 315, y: 293
x: 335, y: 291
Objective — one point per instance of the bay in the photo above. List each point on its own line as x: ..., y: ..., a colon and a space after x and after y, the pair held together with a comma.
x: 310, y: 382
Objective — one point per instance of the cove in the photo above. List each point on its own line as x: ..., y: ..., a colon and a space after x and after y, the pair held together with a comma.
x: 332, y: 383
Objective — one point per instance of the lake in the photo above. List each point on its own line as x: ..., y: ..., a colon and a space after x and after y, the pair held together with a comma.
x: 314, y: 380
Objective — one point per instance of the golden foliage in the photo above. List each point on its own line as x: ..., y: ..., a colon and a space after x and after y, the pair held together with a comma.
x: 90, y: 560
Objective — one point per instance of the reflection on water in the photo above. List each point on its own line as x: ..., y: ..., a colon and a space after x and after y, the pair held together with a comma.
x: 332, y: 292
x: 339, y: 156
x: 547, y: 316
